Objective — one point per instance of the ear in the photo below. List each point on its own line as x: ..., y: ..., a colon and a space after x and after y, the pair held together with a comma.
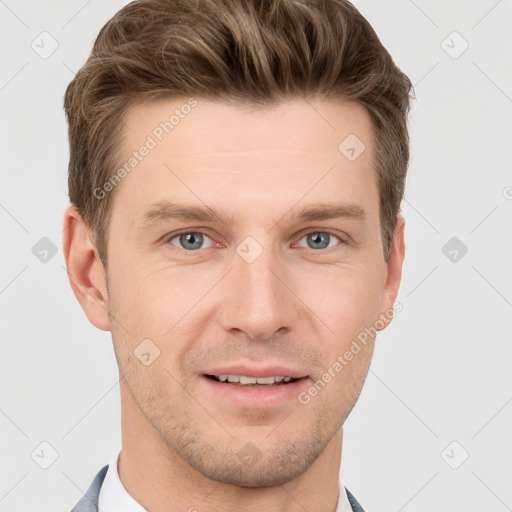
x: 85, y: 270
x: 393, y: 272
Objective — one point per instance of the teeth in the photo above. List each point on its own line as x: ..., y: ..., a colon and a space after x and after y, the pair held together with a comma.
x: 262, y: 380
x: 244, y: 380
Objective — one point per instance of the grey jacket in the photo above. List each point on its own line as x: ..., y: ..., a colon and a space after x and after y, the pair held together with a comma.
x: 89, y: 501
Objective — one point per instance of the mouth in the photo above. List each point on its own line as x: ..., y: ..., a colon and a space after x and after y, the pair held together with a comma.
x: 253, y: 382
x: 247, y: 387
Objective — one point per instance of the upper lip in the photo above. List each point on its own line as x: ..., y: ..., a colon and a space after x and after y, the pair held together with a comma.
x: 253, y: 371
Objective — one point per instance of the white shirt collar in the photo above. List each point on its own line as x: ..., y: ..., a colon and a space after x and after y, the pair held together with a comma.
x: 114, y: 497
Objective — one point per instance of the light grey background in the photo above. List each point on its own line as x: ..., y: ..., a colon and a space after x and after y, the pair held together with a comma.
x: 441, y: 372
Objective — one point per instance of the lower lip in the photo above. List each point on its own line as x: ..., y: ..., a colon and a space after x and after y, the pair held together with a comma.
x: 254, y: 397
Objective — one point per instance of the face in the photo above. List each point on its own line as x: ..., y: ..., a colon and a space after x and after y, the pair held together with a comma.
x: 246, y: 243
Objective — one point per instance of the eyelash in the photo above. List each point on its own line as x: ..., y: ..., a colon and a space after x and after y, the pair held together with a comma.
x: 188, y: 231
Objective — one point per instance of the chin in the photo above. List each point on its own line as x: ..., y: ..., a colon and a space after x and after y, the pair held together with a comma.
x: 275, y: 465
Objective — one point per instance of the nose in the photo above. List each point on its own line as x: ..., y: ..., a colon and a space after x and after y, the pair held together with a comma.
x: 258, y: 296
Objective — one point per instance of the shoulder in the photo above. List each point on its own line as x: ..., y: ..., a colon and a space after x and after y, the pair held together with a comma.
x: 353, y: 502
x: 89, y: 501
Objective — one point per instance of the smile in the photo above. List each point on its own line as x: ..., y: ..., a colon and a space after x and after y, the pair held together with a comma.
x: 244, y: 380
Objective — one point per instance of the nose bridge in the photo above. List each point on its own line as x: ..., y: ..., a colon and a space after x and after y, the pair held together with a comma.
x: 258, y: 302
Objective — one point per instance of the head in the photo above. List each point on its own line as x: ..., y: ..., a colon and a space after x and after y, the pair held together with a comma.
x: 236, y: 172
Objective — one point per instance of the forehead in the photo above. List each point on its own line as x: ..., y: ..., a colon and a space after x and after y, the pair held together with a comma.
x: 199, y: 125
x: 201, y: 150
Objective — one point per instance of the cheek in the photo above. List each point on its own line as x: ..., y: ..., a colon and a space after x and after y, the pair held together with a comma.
x: 351, y: 304
x: 161, y: 304
x: 347, y: 300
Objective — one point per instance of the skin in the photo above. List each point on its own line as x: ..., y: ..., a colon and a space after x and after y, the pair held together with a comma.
x: 298, y: 304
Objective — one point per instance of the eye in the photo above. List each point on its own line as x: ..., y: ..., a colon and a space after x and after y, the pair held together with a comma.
x: 320, y: 240
x: 189, y: 240
x: 194, y: 240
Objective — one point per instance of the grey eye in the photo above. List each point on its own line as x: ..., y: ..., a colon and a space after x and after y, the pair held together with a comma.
x: 190, y: 241
x: 320, y: 240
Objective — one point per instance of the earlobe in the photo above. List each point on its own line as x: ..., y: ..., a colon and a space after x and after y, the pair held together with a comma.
x: 84, y: 268
x: 393, y: 272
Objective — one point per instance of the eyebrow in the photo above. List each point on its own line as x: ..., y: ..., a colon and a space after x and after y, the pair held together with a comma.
x: 163, y: 211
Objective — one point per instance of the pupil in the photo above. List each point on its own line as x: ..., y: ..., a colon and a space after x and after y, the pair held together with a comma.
x: 191, y: 240
x: 317, y: 238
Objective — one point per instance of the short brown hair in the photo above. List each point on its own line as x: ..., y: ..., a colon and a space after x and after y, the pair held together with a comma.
x: 248, y: 51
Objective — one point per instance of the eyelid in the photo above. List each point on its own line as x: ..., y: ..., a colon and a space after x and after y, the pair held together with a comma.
x: 341, y: 239
x: 174, y: 234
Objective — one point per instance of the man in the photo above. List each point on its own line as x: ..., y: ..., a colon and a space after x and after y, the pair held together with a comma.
x: 235, y: 179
